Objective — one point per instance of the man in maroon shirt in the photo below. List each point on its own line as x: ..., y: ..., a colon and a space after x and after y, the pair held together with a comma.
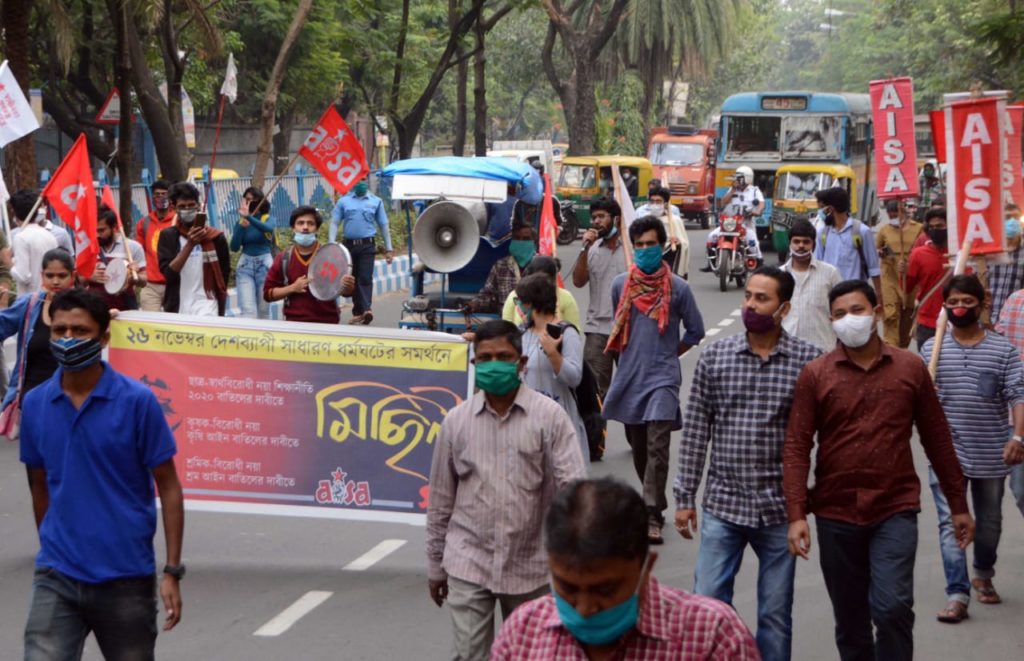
x: 926, y: 270
x: 863, y: 399
x: 288, y: 277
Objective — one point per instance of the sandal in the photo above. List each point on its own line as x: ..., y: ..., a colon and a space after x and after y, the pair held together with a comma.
x: 954, y: 613
x: 986, y: 592
x: 654, y: 533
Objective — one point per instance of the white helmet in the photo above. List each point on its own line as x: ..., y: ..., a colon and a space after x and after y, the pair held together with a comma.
x: 746, y: 173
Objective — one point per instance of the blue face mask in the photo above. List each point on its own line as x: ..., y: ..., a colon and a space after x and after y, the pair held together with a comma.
x: 304, y: 240
x: 606, y: 626
x: 76, y: 353
x: 648, y: 260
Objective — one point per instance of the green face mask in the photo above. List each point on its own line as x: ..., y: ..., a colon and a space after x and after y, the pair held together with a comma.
x: 360, y: 189
x: 497, y: 377
x: 522, y: 250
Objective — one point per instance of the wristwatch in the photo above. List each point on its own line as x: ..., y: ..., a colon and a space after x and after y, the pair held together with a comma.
x: 1018, y: 438
x: 177, y: 572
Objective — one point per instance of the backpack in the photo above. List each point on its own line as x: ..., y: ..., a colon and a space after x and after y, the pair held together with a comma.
x: 858, y: 243
x: 589, y: 405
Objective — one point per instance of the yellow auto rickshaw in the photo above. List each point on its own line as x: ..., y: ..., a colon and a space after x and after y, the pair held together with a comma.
x: 793, y: 198
x: 583, y: 179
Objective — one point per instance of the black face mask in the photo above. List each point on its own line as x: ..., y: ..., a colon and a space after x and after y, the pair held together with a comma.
x: 830, y: 219
x: 962, y: 317
x: 938, y: 237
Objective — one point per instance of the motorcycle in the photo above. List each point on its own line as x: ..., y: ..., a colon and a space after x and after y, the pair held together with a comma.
x: 731, y: 257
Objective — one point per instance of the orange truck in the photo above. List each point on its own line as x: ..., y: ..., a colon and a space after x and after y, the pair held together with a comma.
x: 684, y: 160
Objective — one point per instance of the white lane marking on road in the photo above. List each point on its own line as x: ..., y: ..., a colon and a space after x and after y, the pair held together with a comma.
x: 712, y: 331
x: 726, y: 321
x: 284, y: 620
x: 375, y: 555
x: 735, y: 313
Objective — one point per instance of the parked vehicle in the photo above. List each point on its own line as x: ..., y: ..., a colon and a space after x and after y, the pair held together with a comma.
x: 683, y: 158
x: 583, y: 179
x: 795, y: 186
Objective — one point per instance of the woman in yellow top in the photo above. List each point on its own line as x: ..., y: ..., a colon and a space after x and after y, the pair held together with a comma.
x: 568, y: 311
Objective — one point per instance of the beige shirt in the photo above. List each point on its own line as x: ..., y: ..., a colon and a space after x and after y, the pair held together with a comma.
x: 491, y: 482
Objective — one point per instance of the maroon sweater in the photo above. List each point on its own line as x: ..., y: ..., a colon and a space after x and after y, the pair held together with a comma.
x: 304, y: 306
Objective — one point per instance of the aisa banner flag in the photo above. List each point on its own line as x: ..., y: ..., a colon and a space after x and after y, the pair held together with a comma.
x: 892, y: 109
x: 975, y: 151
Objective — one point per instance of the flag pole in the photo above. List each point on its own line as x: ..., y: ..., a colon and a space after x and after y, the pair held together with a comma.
x: 216, y: 134
x: 940, y: 325
x: 280, y: 177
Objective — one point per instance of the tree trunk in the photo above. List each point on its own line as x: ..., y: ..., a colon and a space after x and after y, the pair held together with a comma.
x: 583, y: 127
x: 480, y: 90
x: 21, y: 154
x: 122, y: 66
x: 283, y: 142
x: 461, y: 83
x: 154, y: 111
x: 269, y: 107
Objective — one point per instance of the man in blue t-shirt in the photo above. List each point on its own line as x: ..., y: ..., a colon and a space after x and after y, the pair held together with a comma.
x: 93, y: 442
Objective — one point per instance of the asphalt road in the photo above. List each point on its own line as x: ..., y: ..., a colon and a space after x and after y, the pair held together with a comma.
x: 269, y: 589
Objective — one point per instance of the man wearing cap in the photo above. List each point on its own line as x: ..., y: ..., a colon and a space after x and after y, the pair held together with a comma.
x: 360, y: 214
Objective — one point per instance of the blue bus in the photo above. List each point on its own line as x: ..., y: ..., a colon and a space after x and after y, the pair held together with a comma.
x: 766, y: 130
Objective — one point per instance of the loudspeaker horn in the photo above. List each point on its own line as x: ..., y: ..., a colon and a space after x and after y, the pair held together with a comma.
x: 446, y: 236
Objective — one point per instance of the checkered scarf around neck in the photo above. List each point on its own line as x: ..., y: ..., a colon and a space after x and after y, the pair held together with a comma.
x: 213, y: 278
x: 652, y: 295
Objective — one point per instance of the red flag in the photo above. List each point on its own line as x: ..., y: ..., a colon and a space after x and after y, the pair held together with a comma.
x: 1013, y: 184
x: 335, y: 152
x: 107, y: 197
x: 974, y: 147
x: 892, y: 109
x: 73, y: 197
x: 548, y: 226
x: 937, y: 119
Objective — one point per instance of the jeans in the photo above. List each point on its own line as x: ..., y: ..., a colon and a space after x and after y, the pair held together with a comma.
x: 1017, y: 486
x: 650, y: 443
x: 122, y: 615
x: 249, y: 276
x: 472, y: 608
x: 987, y: 502
x: 869, y: 574
x: 923, y: 335
x: 363, y: 255
x: 721, y: 551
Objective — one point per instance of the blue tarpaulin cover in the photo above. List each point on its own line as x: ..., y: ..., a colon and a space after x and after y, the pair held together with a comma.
x: 529, y: 185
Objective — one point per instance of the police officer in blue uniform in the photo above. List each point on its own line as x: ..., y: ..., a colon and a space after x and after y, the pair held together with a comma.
x: 360, y: 214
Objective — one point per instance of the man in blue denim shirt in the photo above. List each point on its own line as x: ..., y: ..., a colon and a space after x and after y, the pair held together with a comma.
x: 93, y: 443
x: 360, y: 214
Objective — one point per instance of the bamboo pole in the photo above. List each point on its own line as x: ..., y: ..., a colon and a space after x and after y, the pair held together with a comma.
x: 940, y: 325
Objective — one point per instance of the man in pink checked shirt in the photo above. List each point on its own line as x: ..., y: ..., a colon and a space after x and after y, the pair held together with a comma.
x: 604, y: 602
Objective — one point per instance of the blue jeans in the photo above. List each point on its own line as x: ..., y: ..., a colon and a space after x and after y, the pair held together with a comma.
x: 249, y: 276
x: 869, y: 574
x: 987, y: 501
x: 363, y: 256
x: 121, y: 614
x: 718, y: 561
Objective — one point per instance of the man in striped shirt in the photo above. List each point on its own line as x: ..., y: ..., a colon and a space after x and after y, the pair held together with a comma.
x: 979, y: 375
x: 809, y: 317
x: 498, y: 461
x: 605, y: 602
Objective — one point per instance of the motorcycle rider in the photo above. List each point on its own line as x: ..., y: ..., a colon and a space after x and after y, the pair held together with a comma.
x: 748, y: 199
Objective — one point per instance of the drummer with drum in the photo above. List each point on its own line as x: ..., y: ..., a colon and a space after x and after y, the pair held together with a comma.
x: 310, y: 276
x: 118, y: 271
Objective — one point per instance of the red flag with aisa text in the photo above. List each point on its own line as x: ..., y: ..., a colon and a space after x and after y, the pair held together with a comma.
x: 335, y: 151
x: 892, y: 110
x: 974, y: 194
x: 1013, y: 182
x: 72, y: 195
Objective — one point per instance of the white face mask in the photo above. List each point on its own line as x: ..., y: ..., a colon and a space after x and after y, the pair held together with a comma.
x: 854, y: 330
x: 655, y: 208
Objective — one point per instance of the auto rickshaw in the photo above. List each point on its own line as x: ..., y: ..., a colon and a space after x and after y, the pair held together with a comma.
x: 794, y: 199
x: 583, y: 179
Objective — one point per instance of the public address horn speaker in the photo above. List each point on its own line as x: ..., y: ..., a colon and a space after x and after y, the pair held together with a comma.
x: 446, y: 236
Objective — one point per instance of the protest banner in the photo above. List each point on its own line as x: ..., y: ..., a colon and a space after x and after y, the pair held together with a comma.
x: 299, y: 420
x: 72, y: 195
x: 937, y: 121
x: 975, y: 154
x: 16, y: 117
x: 335, y: 151
x: 892, y: 110
x: 1013, y: 182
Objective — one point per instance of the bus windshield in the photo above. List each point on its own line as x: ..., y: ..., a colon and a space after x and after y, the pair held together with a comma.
x: 753, y: 134
x: 676, y: 153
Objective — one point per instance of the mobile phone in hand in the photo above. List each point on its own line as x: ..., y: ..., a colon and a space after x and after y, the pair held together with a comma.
x: 554, y: 331
x: 200, y: 220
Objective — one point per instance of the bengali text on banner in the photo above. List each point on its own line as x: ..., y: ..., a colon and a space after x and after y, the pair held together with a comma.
x: 298, y: 420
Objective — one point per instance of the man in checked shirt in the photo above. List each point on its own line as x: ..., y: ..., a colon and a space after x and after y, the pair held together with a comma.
x: 498, y: 461
x: 739, y: 402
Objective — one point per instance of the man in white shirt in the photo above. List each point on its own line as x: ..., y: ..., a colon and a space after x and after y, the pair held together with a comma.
x: 743, y: 197
x: 809, y: 316
x: 28, y: 244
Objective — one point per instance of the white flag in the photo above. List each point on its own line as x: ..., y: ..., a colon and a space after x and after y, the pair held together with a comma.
x: 4, y: 193
x: 230, y: 86
x: 16, y: 117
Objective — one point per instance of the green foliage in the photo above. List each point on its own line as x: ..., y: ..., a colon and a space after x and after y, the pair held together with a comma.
x: 620, y: 125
